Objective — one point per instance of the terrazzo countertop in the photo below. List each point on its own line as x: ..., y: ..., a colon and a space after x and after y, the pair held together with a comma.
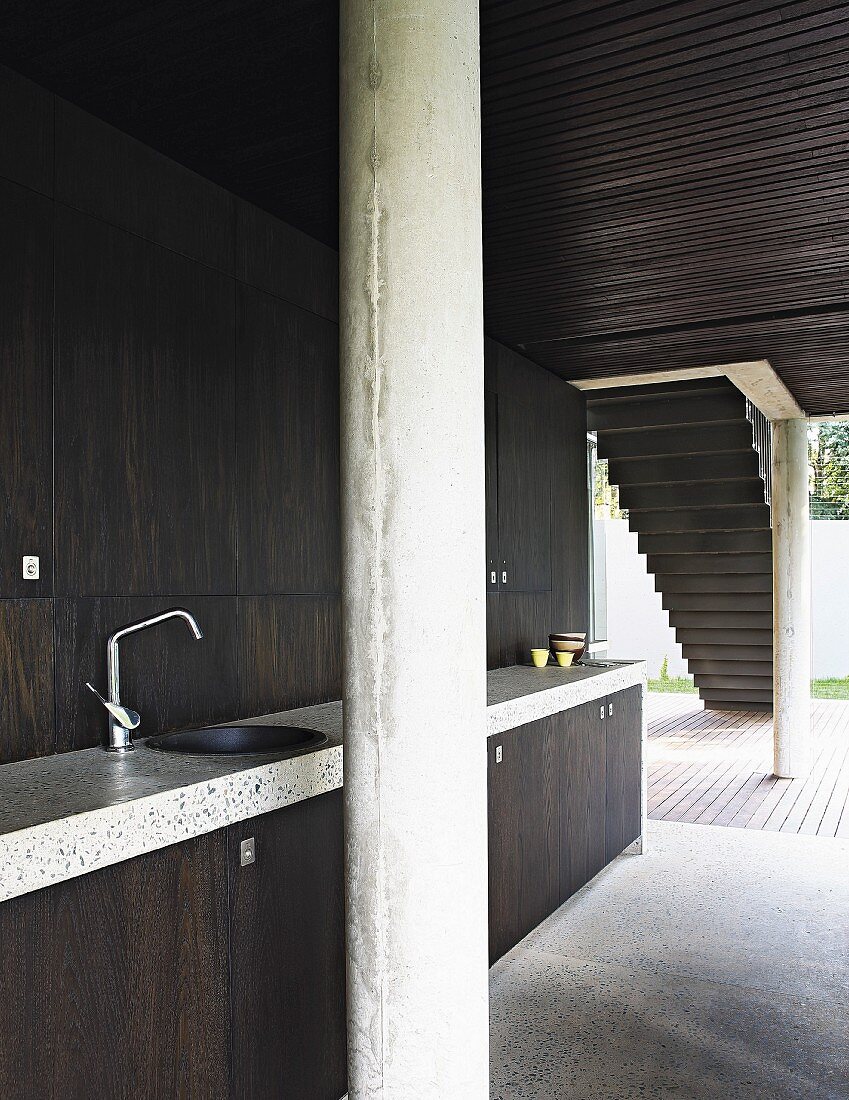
x: 521, y: 693
x: 65, y: 815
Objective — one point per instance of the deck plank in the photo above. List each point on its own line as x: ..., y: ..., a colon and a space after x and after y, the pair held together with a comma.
x: 715, y: 768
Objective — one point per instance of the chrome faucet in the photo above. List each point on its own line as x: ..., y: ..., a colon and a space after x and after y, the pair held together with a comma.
x: 122, y: 721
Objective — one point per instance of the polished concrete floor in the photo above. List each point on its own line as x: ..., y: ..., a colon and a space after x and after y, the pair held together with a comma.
x: 715, y: 967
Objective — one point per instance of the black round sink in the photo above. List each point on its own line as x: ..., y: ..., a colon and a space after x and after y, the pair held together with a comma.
x: 241, y: 741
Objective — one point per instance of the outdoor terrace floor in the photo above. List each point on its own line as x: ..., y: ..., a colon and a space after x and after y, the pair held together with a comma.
x: 715, y: 768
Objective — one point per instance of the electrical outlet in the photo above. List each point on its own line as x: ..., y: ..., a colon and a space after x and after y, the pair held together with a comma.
x: 247, y: 852
x: 30, y: 568
x: 499, y: 754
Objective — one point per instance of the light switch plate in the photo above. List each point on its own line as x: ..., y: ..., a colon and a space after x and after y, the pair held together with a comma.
x: 30, y: 567
x: 247, y: 852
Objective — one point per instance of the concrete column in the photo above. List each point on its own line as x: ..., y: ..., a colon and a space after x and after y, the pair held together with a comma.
x: 411, y: 333
x: 791, y: 587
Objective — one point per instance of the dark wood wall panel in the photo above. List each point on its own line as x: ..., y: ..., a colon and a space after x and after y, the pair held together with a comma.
x: 78, y: 981
x: 287, y: 401
x: 173, y: 681
x: 276, y: 257
x: 524, y: 620
x: 145, y: 439
x: 26, y: 389
x: 290, y: 651
x: 26, y: 679
x: 194, y: 373
x: 26, y: 133
x: 103, y: 172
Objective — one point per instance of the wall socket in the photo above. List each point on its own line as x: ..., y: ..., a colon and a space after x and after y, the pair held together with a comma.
x: 30, y: 569
x: 247, y: 852
x: 499, y: 754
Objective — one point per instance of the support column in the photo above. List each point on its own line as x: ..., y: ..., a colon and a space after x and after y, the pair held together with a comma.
x: 411, y: 333
x: 791, y: 587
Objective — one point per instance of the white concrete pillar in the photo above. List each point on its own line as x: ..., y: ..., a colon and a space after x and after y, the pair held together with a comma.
x: 791, y: 588
x: 411, y: 333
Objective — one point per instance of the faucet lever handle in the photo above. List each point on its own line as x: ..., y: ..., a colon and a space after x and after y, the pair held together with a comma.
x: 129, y: 719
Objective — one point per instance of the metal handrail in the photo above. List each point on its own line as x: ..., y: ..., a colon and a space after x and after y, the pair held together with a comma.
x: 762, y: 443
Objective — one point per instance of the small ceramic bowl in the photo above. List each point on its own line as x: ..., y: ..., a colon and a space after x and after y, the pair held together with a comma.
x: 539, y: 657
x: 575, y: 644
x: 564, y: 659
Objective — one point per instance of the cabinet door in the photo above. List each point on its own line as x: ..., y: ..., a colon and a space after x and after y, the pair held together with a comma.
x: 523, y: 840
x: 491, y: 453
x: 287, y: 943
x: 524, y: 497
x: 623, y: 765
x: 581, y: 753
x: 115, y: 984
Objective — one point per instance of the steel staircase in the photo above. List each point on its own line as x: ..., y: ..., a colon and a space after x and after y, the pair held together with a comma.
x: 691, y: 463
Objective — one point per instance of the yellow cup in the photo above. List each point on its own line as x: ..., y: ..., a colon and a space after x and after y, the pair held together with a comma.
x: 539, y: 657
x: 564, y: 659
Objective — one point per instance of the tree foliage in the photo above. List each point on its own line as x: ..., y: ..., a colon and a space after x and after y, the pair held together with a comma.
x: 828, y: 455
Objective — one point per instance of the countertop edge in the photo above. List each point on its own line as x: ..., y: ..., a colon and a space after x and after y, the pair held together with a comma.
x: 55, y: 851
x: 47, y: 853
x: 543, y: 703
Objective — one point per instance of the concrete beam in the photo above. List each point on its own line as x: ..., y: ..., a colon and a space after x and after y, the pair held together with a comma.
x: 411, y: 337
x: 756, y: 379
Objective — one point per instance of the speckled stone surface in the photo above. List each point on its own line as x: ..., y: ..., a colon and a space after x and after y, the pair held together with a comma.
x: 66, y: 815
x: 521, y: 693
x: 716, y: 966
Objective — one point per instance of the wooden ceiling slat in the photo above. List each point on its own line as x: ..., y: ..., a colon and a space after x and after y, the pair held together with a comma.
x: 666, y: 182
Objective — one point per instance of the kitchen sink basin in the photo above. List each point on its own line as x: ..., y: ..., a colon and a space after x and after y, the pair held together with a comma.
x: 241, y: 741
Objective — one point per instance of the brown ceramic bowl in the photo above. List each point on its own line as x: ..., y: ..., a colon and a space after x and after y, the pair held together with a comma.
x: 568, y: 643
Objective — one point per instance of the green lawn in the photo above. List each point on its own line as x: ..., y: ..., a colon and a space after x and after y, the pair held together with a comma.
x: 820, y: 689
x: 830, y: 689
x: 672, y: 683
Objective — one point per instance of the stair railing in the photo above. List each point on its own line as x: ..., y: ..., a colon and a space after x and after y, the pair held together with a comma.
x: 762, y: 442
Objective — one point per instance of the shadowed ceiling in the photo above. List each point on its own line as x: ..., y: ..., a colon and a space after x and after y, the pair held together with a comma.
x: 665, y: 185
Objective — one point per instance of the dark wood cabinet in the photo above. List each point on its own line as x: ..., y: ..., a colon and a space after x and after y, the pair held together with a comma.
x: 518, y: 496
x: 491, y: 450
x: 523, y: 835
x: 182, y: 974
x: 564, y: 800
x: 536, y: 506
x: 288, y: 954
x: 524, y: 498
x: 581, y: 766
x: 623, y: 733
x: 115, y: 984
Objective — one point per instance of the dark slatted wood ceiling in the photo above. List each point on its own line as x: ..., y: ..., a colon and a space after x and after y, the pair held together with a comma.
x: 665, y: 183
x: 666, y: 186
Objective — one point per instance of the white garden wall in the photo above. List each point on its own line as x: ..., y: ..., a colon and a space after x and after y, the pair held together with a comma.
x: 830, y: 584
x: 637, y: 625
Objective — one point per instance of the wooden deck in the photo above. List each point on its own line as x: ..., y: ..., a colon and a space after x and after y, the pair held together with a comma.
x: 715, y: 768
